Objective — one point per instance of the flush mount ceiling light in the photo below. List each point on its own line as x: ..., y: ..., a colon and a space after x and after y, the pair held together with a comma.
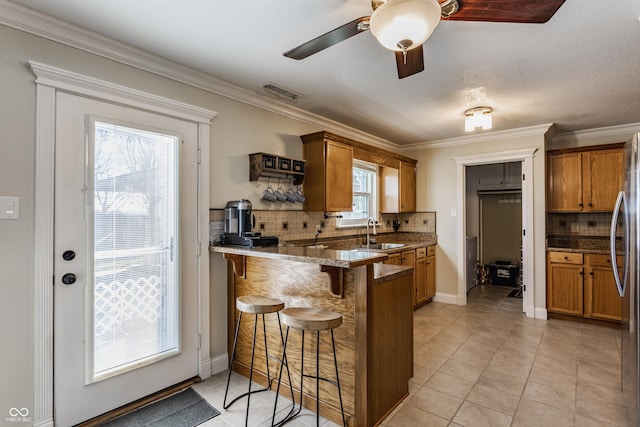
x: 477, y: 117
x: 401, y: 25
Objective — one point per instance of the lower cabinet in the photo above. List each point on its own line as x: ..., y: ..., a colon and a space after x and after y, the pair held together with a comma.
x: 423, y: 261
x: 582, y: 285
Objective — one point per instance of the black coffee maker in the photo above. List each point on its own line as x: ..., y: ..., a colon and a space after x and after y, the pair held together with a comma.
x: 238, y: 220
x: 238, y: 226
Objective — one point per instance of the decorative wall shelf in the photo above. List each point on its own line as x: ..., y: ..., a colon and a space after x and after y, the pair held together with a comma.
x: 274, y: 166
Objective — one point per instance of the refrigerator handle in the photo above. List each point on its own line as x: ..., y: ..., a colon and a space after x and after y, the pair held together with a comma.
x: 620, y: 202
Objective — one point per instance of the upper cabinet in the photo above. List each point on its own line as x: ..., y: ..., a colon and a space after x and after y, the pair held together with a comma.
x: 500, y: 176
x: 398, y: 188
x: 328, y: 174
x: 584, y: 181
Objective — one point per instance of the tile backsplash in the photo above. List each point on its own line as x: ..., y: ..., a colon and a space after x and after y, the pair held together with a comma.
x: 300, y: 225
x: 580, y: 224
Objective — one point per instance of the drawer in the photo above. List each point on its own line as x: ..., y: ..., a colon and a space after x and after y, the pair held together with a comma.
x: 431, y: 250
x: 565, y: 257
x: 421, y: 252
x: 603, y: 260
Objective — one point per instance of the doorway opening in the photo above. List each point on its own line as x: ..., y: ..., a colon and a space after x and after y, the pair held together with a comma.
x: 494, y: 225
x: 525, y: 158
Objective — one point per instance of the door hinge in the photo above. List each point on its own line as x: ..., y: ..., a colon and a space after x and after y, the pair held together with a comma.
x: 524, y: 232
x: 198, y: 248
x: 523, y: 177
x: 198, y: 156
x: 199, y: 341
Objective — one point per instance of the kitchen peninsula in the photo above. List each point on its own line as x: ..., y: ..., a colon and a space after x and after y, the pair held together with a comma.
x: 374, y: 342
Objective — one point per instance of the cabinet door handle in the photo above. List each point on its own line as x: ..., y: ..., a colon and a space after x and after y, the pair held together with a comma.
x: 580, y: 204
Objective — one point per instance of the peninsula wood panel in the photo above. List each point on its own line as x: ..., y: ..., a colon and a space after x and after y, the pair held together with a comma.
x: 358, y: 344
x: 289, y: 281
x: 384, y: 346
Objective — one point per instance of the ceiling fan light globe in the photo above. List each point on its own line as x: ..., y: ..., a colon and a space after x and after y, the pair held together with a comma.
x: 398, y: 20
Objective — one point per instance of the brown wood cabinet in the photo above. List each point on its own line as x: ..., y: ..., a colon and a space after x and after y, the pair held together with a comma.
x: 398, y: 188
x: 431, y: 272
x: 407, y: 187
x: 584, y: 181
x: 328, y: 175
x: 420, y: 297
x: 582, y: 286
x: 601, y: 298
x: 423, y: 261
x: 565, y: 285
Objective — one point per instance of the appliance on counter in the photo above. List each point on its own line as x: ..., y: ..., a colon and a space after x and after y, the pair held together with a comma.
x: 238, y: 226
x: 627, y: 206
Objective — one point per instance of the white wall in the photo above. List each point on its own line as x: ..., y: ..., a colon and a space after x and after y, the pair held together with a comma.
x: 437, y: 183
x: 237, y: 130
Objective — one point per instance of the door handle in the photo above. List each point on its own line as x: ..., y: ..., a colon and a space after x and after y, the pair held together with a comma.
x: 68, y: 255
x: 621, y: 201
x: 69, y: 279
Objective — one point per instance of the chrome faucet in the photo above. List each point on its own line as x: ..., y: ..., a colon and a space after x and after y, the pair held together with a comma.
x: 371, y: 220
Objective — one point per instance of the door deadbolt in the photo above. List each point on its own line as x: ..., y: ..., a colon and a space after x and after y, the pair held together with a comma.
x: 69, y: 279
x: 68, y: 255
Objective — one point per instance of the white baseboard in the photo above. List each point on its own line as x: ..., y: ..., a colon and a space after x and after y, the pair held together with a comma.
x: 446, y: 298
x: 219, y: 363
x: 541, y: 313
x: 205, y: 368
x: 47, y: 422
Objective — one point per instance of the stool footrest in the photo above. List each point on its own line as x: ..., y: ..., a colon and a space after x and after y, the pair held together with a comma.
x: 322, y: 379
x: 245, y: 395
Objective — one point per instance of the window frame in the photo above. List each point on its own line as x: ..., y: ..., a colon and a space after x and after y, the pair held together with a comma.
x: 374, y: 207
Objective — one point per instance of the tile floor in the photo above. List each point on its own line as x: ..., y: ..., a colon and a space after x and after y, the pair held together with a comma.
x: 485, y: 364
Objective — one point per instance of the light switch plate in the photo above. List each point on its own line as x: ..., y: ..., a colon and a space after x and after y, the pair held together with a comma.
x: 9, y: 207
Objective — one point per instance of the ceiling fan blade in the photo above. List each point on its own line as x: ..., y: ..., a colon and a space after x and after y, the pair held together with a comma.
x: 412, y: 64
x: 519, y: 11
x: 328, y: 39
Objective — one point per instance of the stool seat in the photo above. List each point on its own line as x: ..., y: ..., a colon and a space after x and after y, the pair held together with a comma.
x: 258, y: 304
x: 311, y: 319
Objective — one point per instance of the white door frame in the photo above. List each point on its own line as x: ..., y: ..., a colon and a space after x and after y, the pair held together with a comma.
x: 49, y: 80
x: 526, y: 157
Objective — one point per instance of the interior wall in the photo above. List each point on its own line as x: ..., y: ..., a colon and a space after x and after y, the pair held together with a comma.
x: 237, y: 130
x: 436, y: 182
x: 501, y: 225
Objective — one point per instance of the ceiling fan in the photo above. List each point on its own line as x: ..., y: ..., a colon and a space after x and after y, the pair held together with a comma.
x: 404, y: 25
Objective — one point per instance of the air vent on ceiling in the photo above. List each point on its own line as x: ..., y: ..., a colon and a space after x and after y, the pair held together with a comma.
x: 281, y: 92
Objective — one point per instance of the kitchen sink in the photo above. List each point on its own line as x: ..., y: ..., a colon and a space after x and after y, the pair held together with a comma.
x: 384, y: 246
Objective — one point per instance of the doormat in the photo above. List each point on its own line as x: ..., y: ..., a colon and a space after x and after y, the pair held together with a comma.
x: 516, y: 293
x: 184, y: 409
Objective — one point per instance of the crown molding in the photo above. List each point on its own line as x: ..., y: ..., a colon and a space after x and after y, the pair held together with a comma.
x: 41, y: 25
x: 537, y: 130
x: 623, y: 131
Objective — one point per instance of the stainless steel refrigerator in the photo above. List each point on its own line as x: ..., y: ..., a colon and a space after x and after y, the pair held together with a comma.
x: 627, y: 215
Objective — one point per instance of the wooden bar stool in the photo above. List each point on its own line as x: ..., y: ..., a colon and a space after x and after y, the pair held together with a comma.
x: 311, y: 319
x: 256, y: 305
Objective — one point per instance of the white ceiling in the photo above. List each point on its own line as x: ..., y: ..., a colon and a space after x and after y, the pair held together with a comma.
x: 580, y: 70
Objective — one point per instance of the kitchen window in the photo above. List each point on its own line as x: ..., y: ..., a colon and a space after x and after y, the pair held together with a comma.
x: 365, y: 199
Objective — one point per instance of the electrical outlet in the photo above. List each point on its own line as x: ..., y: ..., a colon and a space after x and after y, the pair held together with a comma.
x: 575, y: 227
x: 318, y: 229
x: 304, y: 225
x: 262, y: 226
x: 285, y: 225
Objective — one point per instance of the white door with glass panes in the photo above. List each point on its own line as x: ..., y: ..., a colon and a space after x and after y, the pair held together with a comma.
x: 125, y: 282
